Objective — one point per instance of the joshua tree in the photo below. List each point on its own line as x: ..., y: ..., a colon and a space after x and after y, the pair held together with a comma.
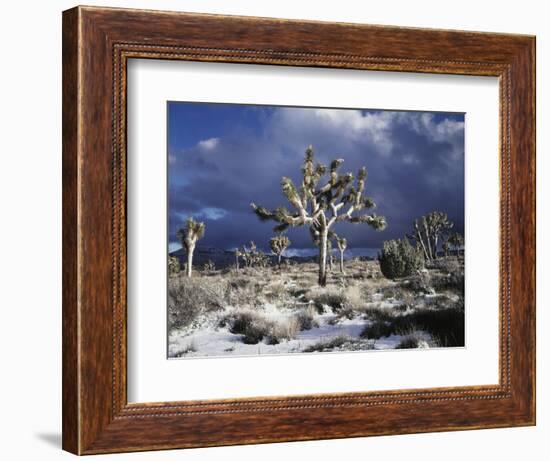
x: 253, y: 257
x: 237, y: 255
x: 330, y: 255
x: 456, y: 241
x: 188, y: 237
x: 428, y: 230
x: 278, y: 245
x: 342, y: 244
x: 446, y: 248
x: 321, y: 205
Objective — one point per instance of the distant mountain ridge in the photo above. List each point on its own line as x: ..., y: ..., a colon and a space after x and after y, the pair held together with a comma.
x: 225, y: 258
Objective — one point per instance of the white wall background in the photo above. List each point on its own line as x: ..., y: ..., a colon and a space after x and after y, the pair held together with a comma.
x: 30, y: 231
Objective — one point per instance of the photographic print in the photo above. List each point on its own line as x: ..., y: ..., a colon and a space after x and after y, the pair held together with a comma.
x: 313, y: 230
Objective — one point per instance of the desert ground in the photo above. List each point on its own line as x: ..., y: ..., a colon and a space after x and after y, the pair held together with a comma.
x: 271, y: 310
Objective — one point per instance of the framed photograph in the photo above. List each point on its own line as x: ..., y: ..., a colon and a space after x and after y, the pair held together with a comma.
x: 282, y: 230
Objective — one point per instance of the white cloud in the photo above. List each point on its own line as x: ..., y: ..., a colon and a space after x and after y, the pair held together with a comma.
x: 210, y: 213
x: 208, y: 144
x: 350, y: 125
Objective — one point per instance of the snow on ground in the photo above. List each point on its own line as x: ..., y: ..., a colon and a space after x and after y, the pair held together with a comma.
x: 212, y: 341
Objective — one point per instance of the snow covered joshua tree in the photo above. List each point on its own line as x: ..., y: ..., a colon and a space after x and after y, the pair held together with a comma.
x: 321, y: 205
x: 278, y: 245
x: 188, y: 237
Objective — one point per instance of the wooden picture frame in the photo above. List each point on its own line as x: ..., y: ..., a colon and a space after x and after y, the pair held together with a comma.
x: 97, y: 43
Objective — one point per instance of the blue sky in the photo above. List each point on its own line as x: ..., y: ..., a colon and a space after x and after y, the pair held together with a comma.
x: 221, y: 157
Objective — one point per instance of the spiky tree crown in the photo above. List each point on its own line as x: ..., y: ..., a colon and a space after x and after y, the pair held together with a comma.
x: 341, y: 242
x: 340, y: 198
x: 456, y: 239
x: 279, y: 243
x: 438, y: 221
x: 192, y: 232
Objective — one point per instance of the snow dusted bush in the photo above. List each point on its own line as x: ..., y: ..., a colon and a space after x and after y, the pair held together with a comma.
x: 306, y: 319
x: 326, y: 345
x: 247, y: 323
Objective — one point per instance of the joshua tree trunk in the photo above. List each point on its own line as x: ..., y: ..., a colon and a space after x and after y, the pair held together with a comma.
x: 279, y: 260
x: 237, y: 260
x: 190, y: 250
x: 342, y: 261
x: 323, y: 258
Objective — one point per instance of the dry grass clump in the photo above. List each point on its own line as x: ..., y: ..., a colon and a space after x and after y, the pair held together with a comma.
x: 283, y: 330
x: 254, y: 327
x: 190, y: 298
x: 250, y: 324
x: 330, y: 296
x: 326, y: 345
x: 413, y: 341
x: 341, y: 342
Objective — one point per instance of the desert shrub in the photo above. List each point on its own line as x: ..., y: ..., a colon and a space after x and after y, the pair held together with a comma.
x: 422, y: 282
x: 306, y: 319
x: 378, y: 330
x: 399, y: 258
x: 342, y: 343
x: 356, y: 296
x: 445, y: 265
x: 445, y: 325
x: 238, y: 282
x: 346, y: 312
x: 275, y: 292
x: 190, y: 347
x: 209, y: 266
x: 190, y: 298
x: 380, y: 314
x: 240, y: 294
x: 174, y: 267
x: 327, y: 344
x: 255, y: 328
x: 251, y: 325
x: 282, y: 330
x: 328, y: 296
x: 412, y: 342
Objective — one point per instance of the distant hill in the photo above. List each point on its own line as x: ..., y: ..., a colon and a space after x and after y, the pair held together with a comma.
x: 221, y: 258
x: 224, y: 258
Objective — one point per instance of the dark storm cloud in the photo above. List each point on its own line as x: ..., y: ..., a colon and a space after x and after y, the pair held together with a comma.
x: 415, y: 165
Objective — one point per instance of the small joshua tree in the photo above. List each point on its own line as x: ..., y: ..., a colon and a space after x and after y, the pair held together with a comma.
x: 278, y: 245
x: 446, y: 248
x: 330, y: 255
x: 188, y: 236
x: 319, y: 205
x: 238, y: 254
x: 342, y: 244
x: 252, y: 256
x: 427, y: 232
x: 456, y: 241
